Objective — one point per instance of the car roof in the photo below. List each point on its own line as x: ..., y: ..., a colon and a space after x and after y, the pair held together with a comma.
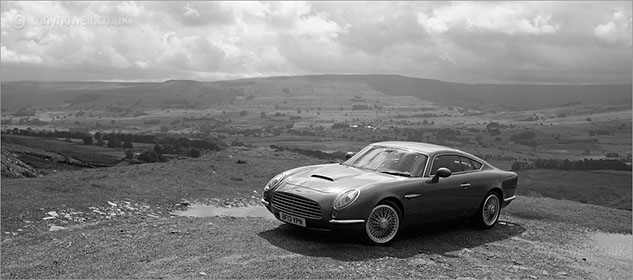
x: 418, y: 147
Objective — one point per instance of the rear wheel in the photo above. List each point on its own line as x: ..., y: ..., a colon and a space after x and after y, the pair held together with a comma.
x: 489, y: 211
x: 383, y: 223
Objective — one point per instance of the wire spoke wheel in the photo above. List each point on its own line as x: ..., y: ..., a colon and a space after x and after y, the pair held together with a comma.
x: 383, y: 224
x: 490, y: 210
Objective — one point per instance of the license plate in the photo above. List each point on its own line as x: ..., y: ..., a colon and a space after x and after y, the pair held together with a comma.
x: 292, y: 219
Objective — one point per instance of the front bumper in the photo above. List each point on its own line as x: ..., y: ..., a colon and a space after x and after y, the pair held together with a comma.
x: 325, y: 223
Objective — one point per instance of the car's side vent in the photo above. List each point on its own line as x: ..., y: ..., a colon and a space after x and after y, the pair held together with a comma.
x: 322, y: 177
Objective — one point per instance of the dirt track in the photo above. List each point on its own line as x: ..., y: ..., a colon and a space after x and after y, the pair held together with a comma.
x: 228, y: 247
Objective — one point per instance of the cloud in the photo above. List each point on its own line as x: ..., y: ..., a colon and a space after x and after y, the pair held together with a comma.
x: 505, y: 18
x: 195, y: 14
x: 9, y: 56
x: 373, y: 31
x: 191, y: 53
x: 615, y: 31
x: 475, y: 42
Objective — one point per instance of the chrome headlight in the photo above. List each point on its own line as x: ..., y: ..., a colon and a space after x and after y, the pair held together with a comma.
x: 275, y: 181
x: 346, y: 199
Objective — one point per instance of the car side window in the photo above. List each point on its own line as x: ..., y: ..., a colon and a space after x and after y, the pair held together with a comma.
x: 467, y: 164
x: 476, y: 164
x: 451, y: 162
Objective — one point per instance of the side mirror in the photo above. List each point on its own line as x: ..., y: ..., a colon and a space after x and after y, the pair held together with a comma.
x: 348, y: 155
x: 442, y: 172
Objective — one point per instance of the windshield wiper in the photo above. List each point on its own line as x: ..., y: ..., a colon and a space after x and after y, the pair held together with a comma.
x: 396, y: 173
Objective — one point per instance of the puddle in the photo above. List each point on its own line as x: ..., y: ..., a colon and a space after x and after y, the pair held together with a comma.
x: 212, y: 211
x: 613, y: 244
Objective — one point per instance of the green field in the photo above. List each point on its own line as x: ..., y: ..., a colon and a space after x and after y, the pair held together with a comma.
x: 48, y: 154
x: 607, y: 188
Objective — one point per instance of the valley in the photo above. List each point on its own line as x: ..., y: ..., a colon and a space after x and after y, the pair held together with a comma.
x: 500, y: 123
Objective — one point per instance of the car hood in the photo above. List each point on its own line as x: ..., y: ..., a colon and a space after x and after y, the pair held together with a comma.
x: 334, y: 178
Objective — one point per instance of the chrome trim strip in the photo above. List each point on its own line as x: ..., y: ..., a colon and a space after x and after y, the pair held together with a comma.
x: 410, y: 196
x: 509, y: 198
x: 346, y: 222
x: 266, y: 203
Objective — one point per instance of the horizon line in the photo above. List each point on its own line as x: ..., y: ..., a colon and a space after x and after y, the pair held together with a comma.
x: 131, y: 81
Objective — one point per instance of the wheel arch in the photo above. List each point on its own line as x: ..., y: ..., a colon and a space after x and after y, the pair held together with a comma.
x: 395, y: 201
x: 498, y: 191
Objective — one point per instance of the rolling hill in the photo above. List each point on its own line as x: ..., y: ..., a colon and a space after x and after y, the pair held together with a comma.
x: 337, y: 89
x: 513, y: 96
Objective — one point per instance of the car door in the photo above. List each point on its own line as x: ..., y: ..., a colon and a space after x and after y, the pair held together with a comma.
x: 411, y: 191
x: 475, y: 184
x: 445, y: 198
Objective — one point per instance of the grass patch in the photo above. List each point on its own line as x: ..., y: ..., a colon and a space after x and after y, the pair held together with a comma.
x: 571, y: 212
x: 601, y: 187
x: 38, y: 148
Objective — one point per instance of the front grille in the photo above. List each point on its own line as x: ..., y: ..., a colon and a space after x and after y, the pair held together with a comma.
x: 296, y: 205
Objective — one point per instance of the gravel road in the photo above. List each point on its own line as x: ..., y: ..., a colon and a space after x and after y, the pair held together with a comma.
x: 232, y: 247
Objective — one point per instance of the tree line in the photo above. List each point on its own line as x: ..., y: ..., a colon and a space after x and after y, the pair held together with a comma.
x: 48, y: 133
x: 566, y: 164
x: 312, y: 153
x: 191, y: 147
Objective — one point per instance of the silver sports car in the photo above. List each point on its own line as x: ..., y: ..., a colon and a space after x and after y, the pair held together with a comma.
x: 389, y: 185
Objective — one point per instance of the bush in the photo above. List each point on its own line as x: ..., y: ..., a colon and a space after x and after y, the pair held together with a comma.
x: 149, y: 156
x: 586, y: 164
x: 87, y: 140
x: 340, y: 125
x: 194, y: 153
x: 129, y: 154
x: 128, y: 145
x: 209, y: 143
x: 520, y: 165
x: 158, y: 149
x: 114, y: 143
x: 525, y: 135
x: 237, y: 143
x: 494, y: 131
x: 447, y: 133
x: 311, y: 153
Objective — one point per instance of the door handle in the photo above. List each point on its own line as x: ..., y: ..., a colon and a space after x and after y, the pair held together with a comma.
x: 412, y: 196
x: 465, y: 185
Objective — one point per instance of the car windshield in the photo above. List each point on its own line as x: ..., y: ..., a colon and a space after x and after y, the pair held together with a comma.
x: 388, y: 160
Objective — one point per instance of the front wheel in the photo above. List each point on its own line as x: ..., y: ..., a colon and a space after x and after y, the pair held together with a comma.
x: 488, y: 212
x: 383, y: 223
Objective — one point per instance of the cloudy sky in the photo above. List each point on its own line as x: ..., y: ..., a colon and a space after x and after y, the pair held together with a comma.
x: 471, y: 42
